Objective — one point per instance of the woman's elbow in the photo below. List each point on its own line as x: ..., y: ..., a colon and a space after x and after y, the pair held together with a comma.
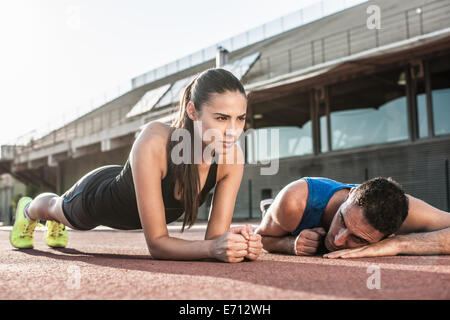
x: 154, y: 253
x: 156, y: 249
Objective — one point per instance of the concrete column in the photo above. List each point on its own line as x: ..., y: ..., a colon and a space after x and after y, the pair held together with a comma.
x: 59, y: 180
x: 221, y: 57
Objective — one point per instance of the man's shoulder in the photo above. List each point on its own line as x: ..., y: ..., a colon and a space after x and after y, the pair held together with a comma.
x: 293, y: 201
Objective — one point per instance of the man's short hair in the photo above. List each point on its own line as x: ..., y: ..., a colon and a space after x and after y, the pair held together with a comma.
x: 384, y: 204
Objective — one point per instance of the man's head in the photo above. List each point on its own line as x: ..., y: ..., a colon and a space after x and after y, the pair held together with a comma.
x: 372, y: 212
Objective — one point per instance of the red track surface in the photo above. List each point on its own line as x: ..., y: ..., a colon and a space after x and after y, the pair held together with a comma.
x: 116, y: 265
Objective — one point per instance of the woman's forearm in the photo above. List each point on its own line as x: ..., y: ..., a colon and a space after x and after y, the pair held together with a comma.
x: 429, y: 243
x: 169, y: 248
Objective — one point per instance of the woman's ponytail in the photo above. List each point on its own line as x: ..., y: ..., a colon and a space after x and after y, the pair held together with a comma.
x: 198, y: 91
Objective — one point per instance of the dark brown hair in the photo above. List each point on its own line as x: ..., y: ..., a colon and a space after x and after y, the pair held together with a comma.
x: 384, y: 204
x: 199, y: 91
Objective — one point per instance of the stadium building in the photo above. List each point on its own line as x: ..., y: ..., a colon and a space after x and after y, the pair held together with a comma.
x: 349, y: 89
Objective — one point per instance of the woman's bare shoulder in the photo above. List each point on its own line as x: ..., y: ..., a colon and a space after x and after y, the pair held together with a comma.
x: 153, y: 135
x: 151, y: 144
x: 156, y: 129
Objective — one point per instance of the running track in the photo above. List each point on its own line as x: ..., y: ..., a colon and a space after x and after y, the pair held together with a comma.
x: 109, y: 264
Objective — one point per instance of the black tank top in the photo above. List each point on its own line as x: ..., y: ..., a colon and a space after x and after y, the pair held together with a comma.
x: 111, y: 200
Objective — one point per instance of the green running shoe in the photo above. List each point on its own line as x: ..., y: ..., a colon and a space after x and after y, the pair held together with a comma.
x: 56, y: 234
x: 22, y: 233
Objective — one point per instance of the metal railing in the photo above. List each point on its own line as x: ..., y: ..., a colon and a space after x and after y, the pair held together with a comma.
x: 301, y: 17
x: 396, y: 27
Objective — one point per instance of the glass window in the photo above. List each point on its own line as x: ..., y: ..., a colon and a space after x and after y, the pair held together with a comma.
x: 323, y: 134
x: 240, y: 67
x: 441, y: 111
x: 363, y: 127
x: 148, y: 101
x: 440, y: 94
x: 266, y: 144
x: 175, y: 93
x: 421, y: 104
x: 367, y: 111
x: 422, y: 115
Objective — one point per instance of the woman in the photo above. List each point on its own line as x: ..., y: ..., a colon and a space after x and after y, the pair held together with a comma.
x: 152, y: 189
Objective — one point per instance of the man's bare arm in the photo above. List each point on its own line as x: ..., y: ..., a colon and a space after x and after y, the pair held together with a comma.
x: 305, y: 244
x: 279, y: 244
x: 427, y: 243
x: 282, y: 217
x: 423, y: 217
x: 426, y: 231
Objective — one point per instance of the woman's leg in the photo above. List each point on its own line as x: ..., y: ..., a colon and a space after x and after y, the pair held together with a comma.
x: 48, y: 206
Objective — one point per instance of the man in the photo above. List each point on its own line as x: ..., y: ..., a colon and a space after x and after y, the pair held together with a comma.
x: 375, y: 218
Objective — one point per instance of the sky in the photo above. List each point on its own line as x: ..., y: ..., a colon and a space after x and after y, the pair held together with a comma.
x: 57, y: 57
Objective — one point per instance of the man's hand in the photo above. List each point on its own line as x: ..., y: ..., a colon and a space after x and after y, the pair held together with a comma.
x: 308, y: 241
x: 254, y: 244
x: 386, y: 247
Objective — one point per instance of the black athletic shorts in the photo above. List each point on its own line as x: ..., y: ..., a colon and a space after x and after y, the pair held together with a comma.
x: 75, y: 200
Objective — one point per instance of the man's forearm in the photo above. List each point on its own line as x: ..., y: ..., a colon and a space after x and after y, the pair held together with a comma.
x: 429, y: 243
x: 279, y: 244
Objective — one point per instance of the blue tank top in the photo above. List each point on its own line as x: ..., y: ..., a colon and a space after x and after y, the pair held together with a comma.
x: 320, y: 192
